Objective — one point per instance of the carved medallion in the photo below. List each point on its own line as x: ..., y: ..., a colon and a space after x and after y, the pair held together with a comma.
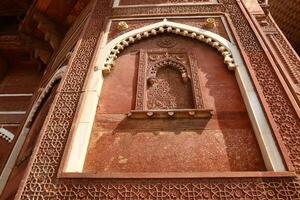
x: 167, y: 42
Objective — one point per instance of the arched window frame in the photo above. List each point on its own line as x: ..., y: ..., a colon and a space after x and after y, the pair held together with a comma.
x: 105, y: 57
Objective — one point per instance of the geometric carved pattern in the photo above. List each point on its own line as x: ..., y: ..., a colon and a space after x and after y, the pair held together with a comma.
x: 282, y: 111
x: 42, y: 182
x: 292, y: 61
x: 289, y: 58
x: 179, y: 9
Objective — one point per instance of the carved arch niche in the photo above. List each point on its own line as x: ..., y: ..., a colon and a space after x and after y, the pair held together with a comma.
x: 168, y: 85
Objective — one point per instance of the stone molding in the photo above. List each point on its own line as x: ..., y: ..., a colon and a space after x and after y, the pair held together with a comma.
x: 283, y: 53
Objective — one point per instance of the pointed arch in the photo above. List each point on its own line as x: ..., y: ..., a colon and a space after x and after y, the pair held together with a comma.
x: 171, y: 63
x: 114, y: 47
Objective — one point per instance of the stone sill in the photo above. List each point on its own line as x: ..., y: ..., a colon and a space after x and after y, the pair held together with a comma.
x: 179, y: 175
x: 176, y: 113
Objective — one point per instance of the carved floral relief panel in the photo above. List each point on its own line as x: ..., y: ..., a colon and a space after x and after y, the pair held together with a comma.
x: 165, y: 81
x: 168, y: 84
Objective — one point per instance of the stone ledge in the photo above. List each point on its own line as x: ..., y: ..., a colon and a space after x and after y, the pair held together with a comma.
x: 172, y: 113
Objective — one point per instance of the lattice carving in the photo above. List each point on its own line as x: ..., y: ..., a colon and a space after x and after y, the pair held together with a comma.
x: 165, y: 90
x: 167, y: 61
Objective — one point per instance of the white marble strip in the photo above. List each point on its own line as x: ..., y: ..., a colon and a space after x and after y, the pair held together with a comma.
x: 12, y: 112
x: 16, y: 95
x: 10, y: 125
x: 7, y: 135
x: 116, y: 3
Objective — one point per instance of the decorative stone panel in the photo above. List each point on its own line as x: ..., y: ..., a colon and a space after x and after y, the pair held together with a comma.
x: 168, y: 85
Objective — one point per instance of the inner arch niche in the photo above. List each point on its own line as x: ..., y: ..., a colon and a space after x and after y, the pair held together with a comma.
x: 168, y: 79
x: 168, y: 85
x: 169, y: 90
x: 222, y: 141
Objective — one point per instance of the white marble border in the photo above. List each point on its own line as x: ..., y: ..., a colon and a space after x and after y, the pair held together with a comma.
x: 6, y: 135
x: 79, y: 142
x: 16, y: 95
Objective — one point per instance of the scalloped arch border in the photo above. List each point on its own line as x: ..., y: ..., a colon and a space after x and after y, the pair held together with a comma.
x: 168, y: 62
x: 114, y: 47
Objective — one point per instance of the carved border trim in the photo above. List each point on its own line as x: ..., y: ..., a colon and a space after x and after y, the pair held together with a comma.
x: 168, y: 9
